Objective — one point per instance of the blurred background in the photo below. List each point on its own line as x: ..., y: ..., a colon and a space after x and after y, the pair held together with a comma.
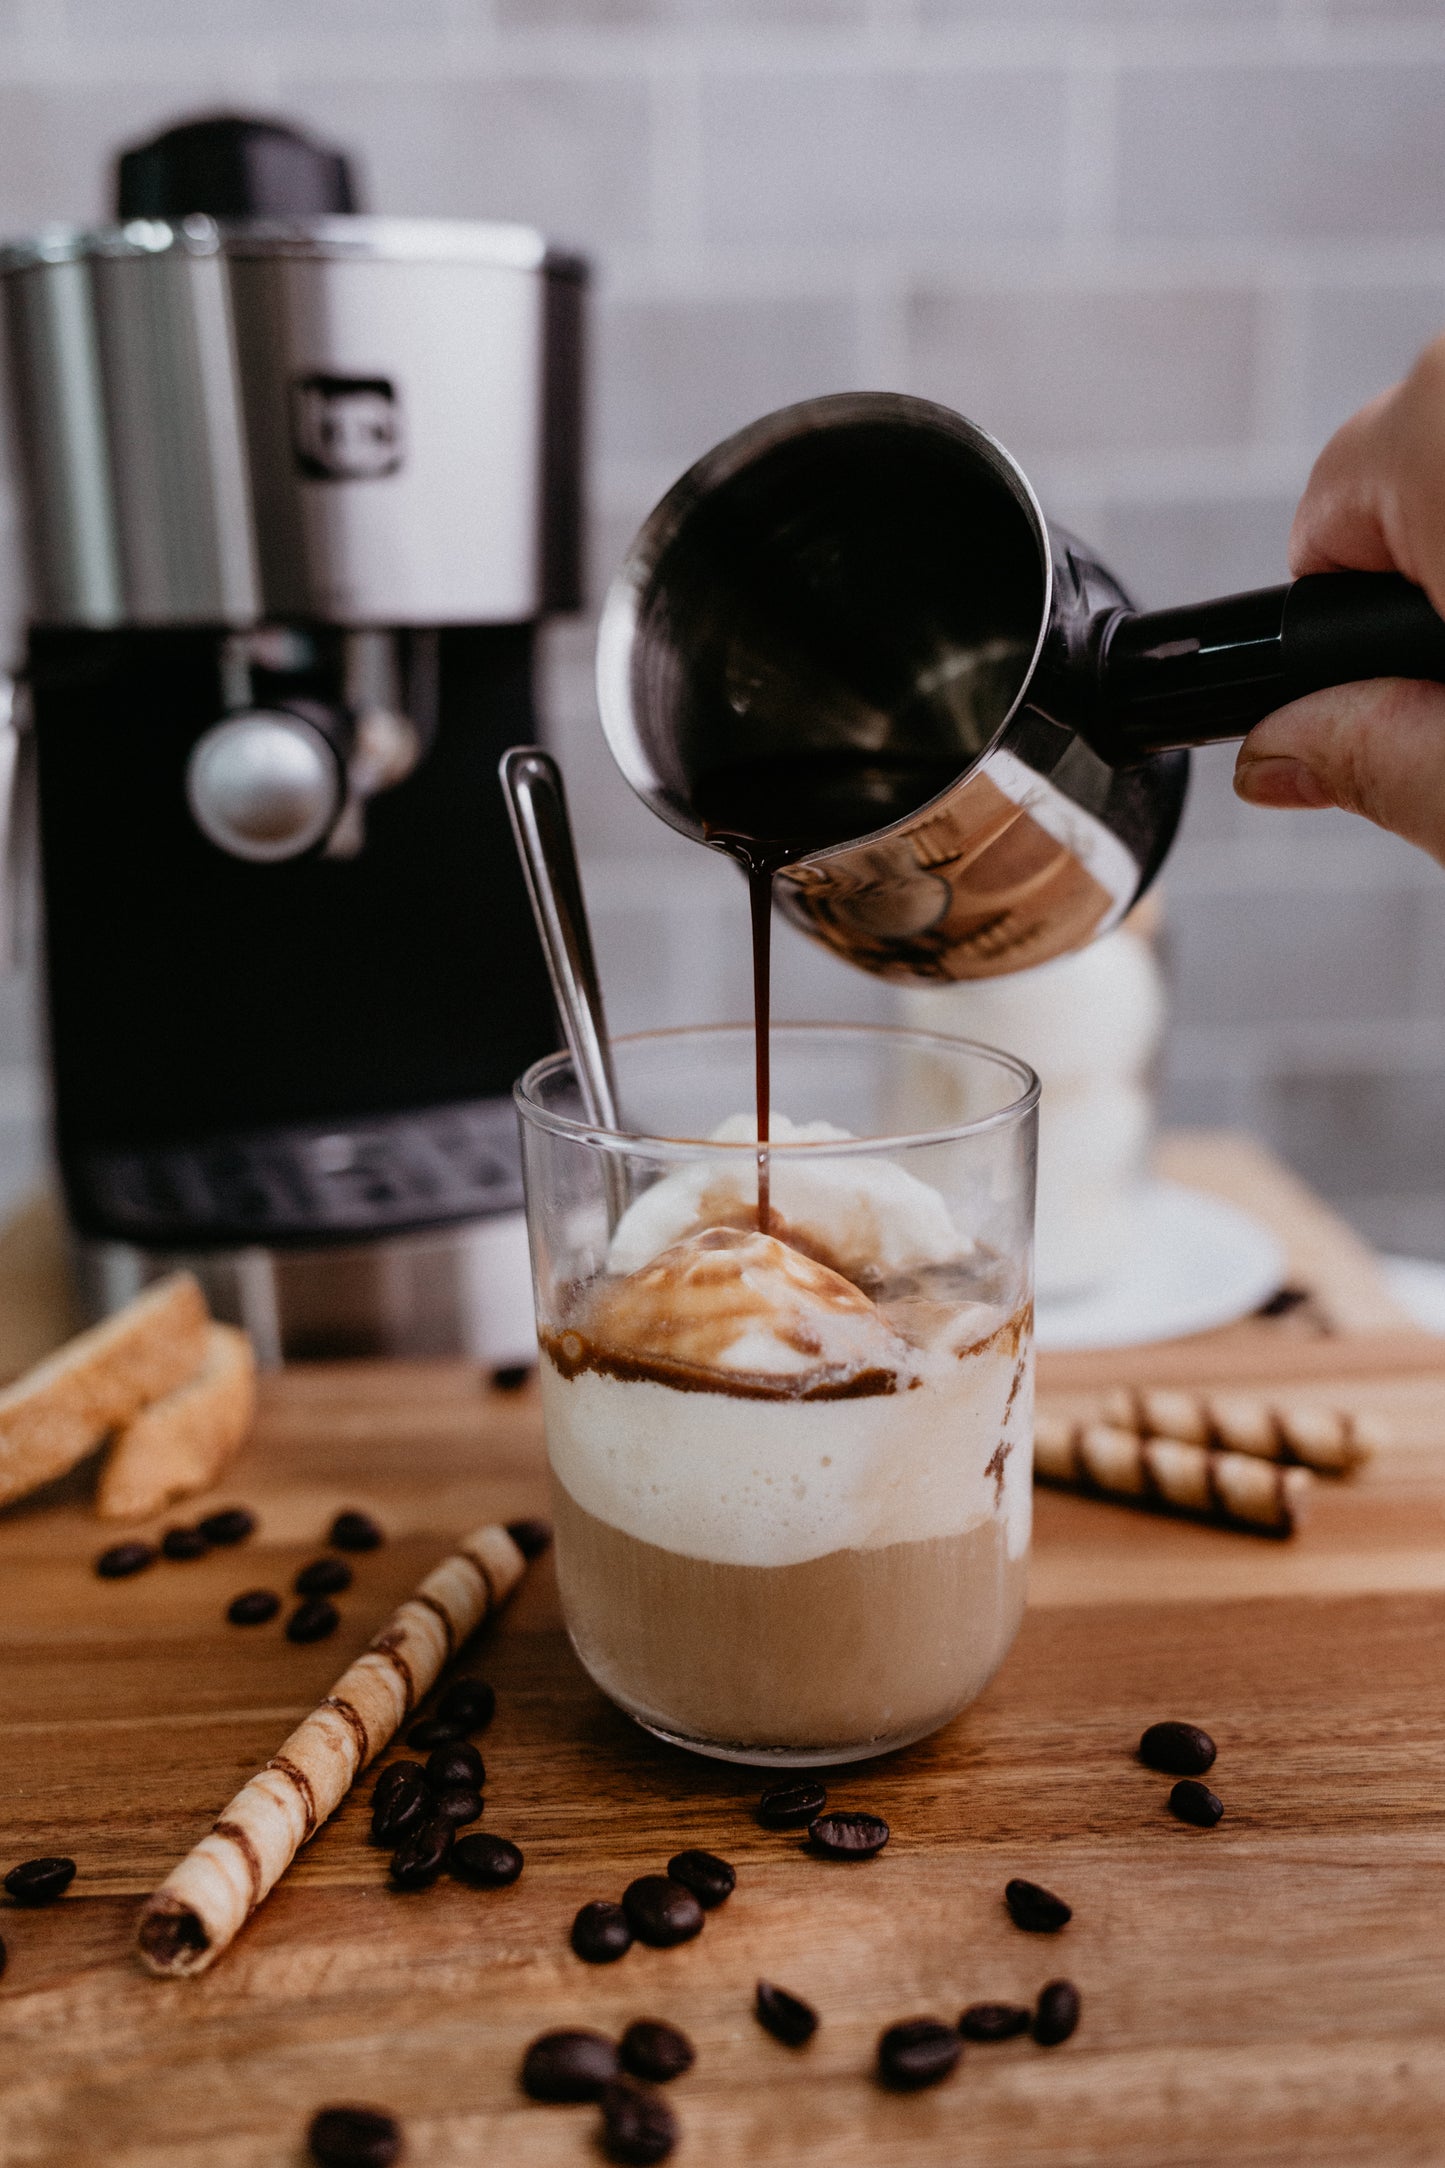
x: 1160, y: 247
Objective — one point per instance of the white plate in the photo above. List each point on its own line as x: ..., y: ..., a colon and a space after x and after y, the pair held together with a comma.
x: 1418, y: 1285
x: 1194, y: 1263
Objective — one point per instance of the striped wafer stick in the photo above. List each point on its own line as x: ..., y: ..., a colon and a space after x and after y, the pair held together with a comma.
x: 1172, y: 1476
x: 204, y: 1903
x: 1330, y: 1440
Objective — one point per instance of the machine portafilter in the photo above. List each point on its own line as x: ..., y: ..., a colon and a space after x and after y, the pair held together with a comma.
x: 850, y: 631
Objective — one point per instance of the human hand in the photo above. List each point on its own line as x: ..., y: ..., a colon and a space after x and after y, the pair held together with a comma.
x: 1375, y: 502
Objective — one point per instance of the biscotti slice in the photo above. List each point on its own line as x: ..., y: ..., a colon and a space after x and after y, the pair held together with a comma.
x: 180, y: 1444
x: 58, y: 1412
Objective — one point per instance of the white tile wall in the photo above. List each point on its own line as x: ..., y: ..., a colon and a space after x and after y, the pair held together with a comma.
x: 1162, y: 246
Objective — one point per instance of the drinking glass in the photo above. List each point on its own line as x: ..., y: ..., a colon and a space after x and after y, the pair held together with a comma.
x: 791, y: 1471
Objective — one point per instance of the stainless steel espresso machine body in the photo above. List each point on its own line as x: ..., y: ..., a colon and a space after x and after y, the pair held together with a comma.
x: 298, y: 491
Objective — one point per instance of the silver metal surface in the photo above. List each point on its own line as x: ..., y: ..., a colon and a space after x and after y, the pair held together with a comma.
x: 537, y: 805
x: 459, y: 1291
x: 869, y: 579
x: 265, y: 786
x: 347, y: 419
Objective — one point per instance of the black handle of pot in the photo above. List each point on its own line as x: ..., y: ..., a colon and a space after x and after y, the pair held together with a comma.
x: 1210, y: 670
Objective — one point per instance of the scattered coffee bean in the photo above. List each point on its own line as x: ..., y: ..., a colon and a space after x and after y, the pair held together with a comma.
x: 124, y: 1559
x: 355, y: 1532
x: 993, y: 2021
x: 433, y: 1731
x: 253, y: 1608
x: 312, y: 1620
x: 917, y: 2053
x: 1196, y: 1803
x: 1037, y: 1911
x: 468, y: 1703
x: 787, y: 2017
x: 1179, y: 1750
x: 323, y: 1577
x: 661, y: 1912
x: 421, y: 1855
x: 40, y: 1881
x: 401, y: 1802
x: 789, y: 1806
x: 486, y: 1862
x: 638, y: 2127
x: 457, y: 1804
x: 455, y: 1763
x: 1057, y: 2013
x: 354, y: 2138
x: 184, y: 1543
x: 600, y: 1933
x: 231, y: 1525
x: 844, y: 1835
x: 530, y: 1536
x: 568, y: 2066
x: 650, y: 2049
x: 710, y: 1879
x: 511, y: 1377
x: 4, y: 1955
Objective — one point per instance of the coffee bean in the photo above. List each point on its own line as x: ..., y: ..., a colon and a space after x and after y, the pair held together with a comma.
x: 916, y: 2053
x: 254, y: 1608
x: 660, y: 1912
x: 1180, y: 1750
x: 354, y: 2138
x: 710, y: 1879
x: 457, y: 1803
x: 1037, y: 1911
x: 530, y: 1536
x: 1057, y: 2013
x: 486, y: 1862
x: 1196, y: 1803
x: 455, y: 1763
x: 231, y: 1525
x: 511, y: 1377
x: 421, y: 1855
x: 789, y: 1806
x: 600, y: 1933
x: 844, y: 1835
x: 355, y: 1532
x: 650, y: 2049
x: 4, y: 1955
x: 323, y: 1577
x: 433, y: 1731
x: 312, y: 1620
x: 787, y: 2017
x: 40, y: 1881
x: 124, y: 1559
x: 400, y: 1802
x: 184, y: 1543
x: 638, y: 2127
x: 993, y: 2021
x: 568, y: 2066
x: 470, y: 1704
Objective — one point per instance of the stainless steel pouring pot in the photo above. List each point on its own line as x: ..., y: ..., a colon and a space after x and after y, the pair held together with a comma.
x: 857, y: 609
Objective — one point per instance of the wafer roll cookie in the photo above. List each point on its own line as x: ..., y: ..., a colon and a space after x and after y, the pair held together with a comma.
x: 1172, y: 1475
x: 1327, y: 1439
x: 203, y: 1904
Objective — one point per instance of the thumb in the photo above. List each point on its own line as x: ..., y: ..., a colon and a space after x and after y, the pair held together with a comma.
x: 1377, y: 749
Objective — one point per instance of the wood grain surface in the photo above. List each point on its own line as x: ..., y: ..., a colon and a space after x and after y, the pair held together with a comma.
x: 1271, y: 1991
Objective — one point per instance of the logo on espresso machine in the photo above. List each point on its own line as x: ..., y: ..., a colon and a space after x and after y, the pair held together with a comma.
x: 346, y: 428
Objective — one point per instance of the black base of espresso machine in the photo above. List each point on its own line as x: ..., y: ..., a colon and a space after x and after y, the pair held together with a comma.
x: 300, y: 486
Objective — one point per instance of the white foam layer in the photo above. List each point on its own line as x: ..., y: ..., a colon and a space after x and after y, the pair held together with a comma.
x: 861, y: 1212
x: 776, y: 1482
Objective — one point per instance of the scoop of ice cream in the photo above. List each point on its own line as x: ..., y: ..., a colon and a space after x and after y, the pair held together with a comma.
x: 747, y: 1305
x: 865, y: 1214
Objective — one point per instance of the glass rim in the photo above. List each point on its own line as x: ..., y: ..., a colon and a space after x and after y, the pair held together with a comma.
x: 685, y: 1148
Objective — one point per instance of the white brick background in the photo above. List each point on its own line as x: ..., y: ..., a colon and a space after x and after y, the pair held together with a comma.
x: 1160, y: 246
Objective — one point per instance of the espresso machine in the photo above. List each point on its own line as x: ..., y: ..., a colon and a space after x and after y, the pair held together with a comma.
x: 298, y: 487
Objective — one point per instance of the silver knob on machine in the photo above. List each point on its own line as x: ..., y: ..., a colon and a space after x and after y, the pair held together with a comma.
x: 265, y: 786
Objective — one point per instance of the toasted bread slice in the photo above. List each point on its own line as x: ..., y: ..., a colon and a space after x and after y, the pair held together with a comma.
x: 180, y: 1444
x: 58, y: 1412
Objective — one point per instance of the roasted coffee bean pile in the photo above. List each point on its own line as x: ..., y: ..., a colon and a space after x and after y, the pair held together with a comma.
x: 1184, y: 1751
x: 214, y: 1531
x: 661, y: 1910
x: 417, y: 1807
x: 638, y: 2127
